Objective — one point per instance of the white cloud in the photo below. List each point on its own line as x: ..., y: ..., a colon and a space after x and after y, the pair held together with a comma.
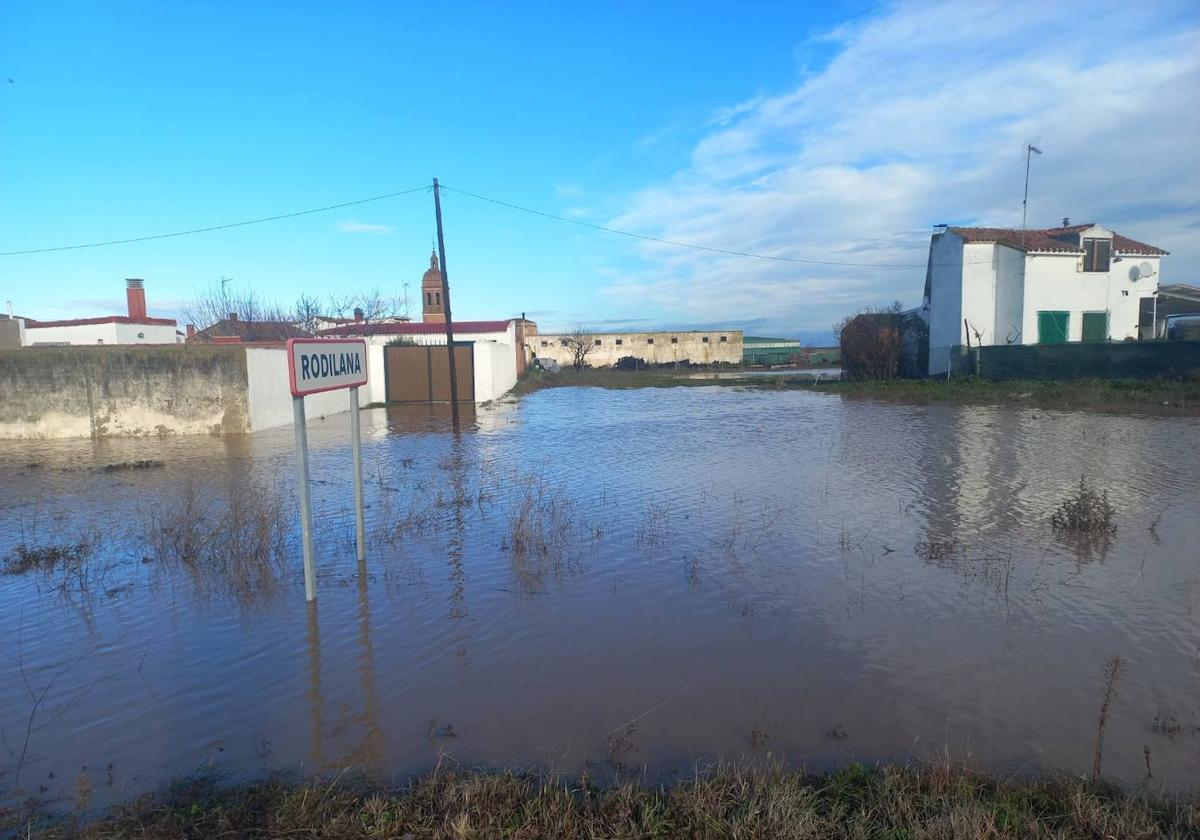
x: 921, y: 117
x: 355, y: 226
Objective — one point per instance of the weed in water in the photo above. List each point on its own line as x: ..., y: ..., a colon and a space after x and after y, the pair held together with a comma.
x: 46, y: 558
x: 1166, y: 723
x: 1086, y: 511
x: 934, y: 549
x: 1114, y: 669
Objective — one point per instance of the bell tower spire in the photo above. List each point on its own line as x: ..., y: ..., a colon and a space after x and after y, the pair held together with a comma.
x: 432, y: 309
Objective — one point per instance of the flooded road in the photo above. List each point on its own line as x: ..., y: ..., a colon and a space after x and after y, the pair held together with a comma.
x: 593, y: 579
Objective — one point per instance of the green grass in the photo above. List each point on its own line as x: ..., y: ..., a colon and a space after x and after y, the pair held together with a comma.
x: 1174, y: 396
x: 857, y: 801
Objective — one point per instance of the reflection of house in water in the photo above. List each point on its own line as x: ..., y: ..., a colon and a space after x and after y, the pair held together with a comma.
x: 989, y: 471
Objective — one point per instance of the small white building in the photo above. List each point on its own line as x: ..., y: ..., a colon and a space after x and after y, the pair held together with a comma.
x: 135, y: 327
x: 996, y: 286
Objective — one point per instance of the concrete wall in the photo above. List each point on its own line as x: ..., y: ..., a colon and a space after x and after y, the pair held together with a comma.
x: 655, y: 348
x: 12, y: 333
x: 61, y: 392
x: 270, y: 396
x: 495, y: 370
x: 945, y: 299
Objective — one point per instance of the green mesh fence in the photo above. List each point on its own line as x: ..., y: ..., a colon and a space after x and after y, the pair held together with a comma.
x: 1082, y: 360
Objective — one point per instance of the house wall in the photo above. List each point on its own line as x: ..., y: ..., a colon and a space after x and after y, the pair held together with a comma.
x: 81, y: 334
x: 687, y: 347
x: 111, y: 333
x: 1009, y: 271
x: 1053, y: 282
x: 12, y: 333
x: 270, y: 396
x: 64, y: 392
x: 946, y: 254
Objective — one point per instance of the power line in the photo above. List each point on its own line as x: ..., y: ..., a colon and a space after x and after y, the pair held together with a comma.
x: 215, y: 227
x: 676, y: 243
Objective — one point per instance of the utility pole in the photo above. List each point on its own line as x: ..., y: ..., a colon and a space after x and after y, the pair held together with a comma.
x: 1029, y: 151
x: 437, y: 210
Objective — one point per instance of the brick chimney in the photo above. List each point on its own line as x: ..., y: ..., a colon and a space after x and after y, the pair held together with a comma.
x: 358, y: 316
x: 135, y: 298
x: 191, y: 331
x: 233, y: 317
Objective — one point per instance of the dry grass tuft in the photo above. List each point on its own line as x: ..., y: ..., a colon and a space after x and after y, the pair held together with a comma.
x: 728, y: 801
x: 1086, y: 512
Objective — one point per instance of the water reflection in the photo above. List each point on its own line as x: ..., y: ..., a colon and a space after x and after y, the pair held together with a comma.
x: 789, y: 557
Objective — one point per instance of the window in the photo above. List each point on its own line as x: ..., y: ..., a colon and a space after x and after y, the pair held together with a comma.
x: 619, y: 342
x: 1095, y: 326
x: 722, y: 339
x: 545, y: 343
x: 674, y: 340
x: 1053, y: 327
x: 597, y: 342
x: 428, y: 299
x: 1096, y: 253
x: 99, y: 340
x: 141, y: 335
x: 437, y: 298
x: 704, y: 340
x: 649, y: 340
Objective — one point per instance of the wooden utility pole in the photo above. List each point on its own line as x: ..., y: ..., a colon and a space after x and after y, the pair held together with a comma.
x: 437, y: 211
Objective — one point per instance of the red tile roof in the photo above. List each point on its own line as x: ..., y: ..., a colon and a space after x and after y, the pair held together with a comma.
x: 1062, y: 240
x: 106, y: 319
x: 410, y: 328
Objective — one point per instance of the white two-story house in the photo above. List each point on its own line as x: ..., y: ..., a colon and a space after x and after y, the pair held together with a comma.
x: 986, y: 286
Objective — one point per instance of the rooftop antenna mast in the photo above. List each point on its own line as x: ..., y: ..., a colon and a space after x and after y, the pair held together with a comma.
x: 1030, y: 149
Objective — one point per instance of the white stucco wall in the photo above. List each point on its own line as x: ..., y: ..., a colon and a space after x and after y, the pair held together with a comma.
x: 654, y: 348
x: 495, y: 370
x: 1053, y: 282
x: 110, y: 333
x: 270, y: 397
x: 81, y: 334
x: 945, y: 299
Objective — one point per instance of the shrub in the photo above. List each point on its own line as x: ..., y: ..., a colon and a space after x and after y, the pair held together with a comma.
x: 1085, y: 511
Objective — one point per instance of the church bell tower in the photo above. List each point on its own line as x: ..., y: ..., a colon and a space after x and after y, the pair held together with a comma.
x: 432, y: 309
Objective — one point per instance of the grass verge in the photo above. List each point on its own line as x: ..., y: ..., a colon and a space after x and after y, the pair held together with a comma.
x: 1171, y: 396
x: 895, y: 802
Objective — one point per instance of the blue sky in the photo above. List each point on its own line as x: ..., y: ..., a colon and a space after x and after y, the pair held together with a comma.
x: 833, y: 131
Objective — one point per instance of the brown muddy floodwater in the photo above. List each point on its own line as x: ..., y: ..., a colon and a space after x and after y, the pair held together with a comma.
x: 591, y: 579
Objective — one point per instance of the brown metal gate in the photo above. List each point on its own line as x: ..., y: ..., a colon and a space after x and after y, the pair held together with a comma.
x: 421, y: 373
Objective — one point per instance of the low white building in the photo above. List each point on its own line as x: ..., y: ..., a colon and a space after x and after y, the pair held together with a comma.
x: 989, y: 286
x: 135, y: 327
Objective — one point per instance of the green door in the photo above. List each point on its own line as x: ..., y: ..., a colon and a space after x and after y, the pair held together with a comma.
x: 1095, y: 326
x: 1052, y: 327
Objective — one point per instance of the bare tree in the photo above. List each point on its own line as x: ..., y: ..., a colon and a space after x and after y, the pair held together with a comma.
x: 307, y: 313
x: 580, y: 342
x: 223, y: 299
x: 371, y: 304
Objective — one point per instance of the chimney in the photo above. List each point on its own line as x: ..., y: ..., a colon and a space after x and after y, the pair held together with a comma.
x: 232, y: 316
x: 1066, y: 222
x: 191, y: 331
x: 358, y: 315
x: 135, y: 298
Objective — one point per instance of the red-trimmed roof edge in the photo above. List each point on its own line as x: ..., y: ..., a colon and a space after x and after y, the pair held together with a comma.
x: 419, y: 328
x: 1047, y: 240
x: 105, y: 319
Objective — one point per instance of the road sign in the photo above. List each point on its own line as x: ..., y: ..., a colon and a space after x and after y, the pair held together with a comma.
x: 316, y: 365
x: 325, y: 364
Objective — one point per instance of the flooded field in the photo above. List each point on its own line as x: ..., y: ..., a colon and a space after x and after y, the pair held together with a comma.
x: 594, y: 580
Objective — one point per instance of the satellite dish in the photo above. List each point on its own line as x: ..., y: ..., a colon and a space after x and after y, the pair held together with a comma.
x: 1145, y: 270
x: 1135, y: 273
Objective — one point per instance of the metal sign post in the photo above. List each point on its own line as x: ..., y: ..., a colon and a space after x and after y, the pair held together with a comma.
x: 360, y: 525
x: 316, y: 365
